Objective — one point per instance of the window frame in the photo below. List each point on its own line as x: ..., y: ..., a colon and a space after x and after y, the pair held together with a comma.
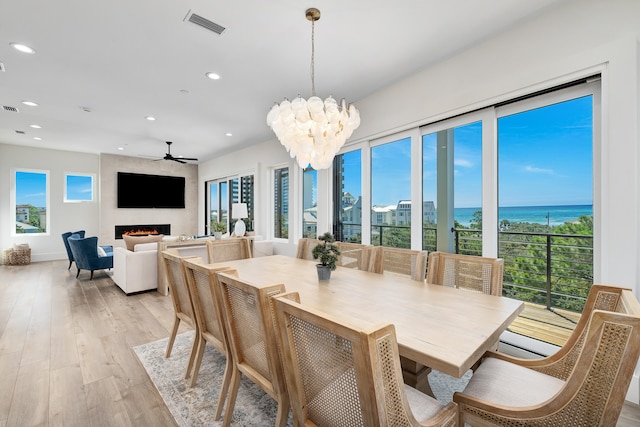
x: 272, y: 205
x: 13, y: 201
x: 66, y: 187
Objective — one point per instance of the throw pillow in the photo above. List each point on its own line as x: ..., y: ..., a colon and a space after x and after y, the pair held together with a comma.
x: 101, y: 252
x: 131, y: 241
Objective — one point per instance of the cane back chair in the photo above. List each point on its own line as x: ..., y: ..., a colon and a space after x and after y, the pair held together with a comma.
x: 344, y: 375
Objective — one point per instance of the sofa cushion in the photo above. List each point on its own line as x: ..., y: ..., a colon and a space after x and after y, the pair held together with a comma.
x: 101, y: 252
x: 141, y: 247
x: 131, y: 241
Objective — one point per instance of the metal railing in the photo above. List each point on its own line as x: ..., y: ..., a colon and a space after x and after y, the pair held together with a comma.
x: 554, y: 270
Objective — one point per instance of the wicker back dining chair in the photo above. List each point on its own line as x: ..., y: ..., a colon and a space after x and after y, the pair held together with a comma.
x: 344, y: 375
x: 354, y: 255
x: 406, y: 262
x: 476, y: 273
x: 512, y: 392
x: 305, y: 248
x: 249, y: 323
x: 228, y: 249
x: 203, y: 288
x: 182, y: 304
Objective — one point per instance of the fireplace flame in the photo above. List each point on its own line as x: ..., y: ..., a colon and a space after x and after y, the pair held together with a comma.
x: 140, y: 232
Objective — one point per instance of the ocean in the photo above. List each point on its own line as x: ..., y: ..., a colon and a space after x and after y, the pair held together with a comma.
x: 557, y: 215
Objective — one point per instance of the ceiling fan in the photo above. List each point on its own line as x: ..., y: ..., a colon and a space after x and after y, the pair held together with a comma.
x: 168, y: 155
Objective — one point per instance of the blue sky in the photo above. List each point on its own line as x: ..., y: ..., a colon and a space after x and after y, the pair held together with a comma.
x: 31, y: 189
x: 544, y: 158
x: 79, y: 187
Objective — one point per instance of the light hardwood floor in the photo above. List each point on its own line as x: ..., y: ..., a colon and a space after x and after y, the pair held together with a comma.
x: 65, y: 350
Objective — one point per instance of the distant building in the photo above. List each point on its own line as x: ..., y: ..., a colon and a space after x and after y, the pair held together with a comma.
x: 22, y: 213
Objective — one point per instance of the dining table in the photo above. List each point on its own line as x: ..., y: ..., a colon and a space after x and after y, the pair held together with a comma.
x: 439, y: 327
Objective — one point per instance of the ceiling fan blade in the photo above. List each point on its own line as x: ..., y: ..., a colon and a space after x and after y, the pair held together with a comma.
x: 188, y: 158
x: 177, y: 160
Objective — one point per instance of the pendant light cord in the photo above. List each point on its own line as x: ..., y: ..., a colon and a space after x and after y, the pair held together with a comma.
x: 313, y: 54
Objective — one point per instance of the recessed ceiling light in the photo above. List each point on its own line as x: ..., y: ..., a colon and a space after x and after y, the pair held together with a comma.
x: 150, y: 118
x: 30, y: 103
x: 37, y: 138
x: 22, y: 48
x: 121, y: 148
x: 228, y: 134
x: 35, y: 126
x: 213, y: 76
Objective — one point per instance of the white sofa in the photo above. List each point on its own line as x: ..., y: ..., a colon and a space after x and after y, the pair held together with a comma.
x: 137, y: 270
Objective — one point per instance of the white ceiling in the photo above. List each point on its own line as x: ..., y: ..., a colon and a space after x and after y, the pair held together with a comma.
x: 127, y: 59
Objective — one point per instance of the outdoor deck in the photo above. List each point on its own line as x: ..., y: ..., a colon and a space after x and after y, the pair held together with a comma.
x: 552, y: 326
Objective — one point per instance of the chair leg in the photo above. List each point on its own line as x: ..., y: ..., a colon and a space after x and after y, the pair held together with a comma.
x: 224, y: 389
x: 70, y: 262
x: 172, y: 338
x: 194, y: 350
x: 283, y: 411
x: 78, y: 273
x: 91, y: 278
x: 233, y: 393
x: 202, y: 344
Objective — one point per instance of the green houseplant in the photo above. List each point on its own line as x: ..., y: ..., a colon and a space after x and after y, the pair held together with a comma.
x: 218, y: 228
x: 328, y: 254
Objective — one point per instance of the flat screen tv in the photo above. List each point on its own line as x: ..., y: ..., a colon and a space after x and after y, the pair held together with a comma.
x: 137, y: 190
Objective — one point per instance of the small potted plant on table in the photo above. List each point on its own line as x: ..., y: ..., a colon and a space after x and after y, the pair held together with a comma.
x: 218, y: 228
x: 328, y: 254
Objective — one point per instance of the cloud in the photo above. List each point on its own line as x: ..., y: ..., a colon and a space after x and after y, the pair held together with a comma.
x: 463, y: 163
x: 534, y: 169
x: 34, y: 195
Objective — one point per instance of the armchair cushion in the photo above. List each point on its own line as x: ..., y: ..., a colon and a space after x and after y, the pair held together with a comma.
x: 508, y: 384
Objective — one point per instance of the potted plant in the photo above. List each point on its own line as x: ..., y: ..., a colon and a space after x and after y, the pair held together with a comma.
x: 218, y: 228
x: 327, y: 253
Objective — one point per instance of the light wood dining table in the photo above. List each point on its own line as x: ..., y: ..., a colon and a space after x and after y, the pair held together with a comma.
x: 443, y: 328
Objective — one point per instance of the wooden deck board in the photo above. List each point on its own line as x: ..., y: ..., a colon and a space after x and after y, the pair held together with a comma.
x: 537, y: 322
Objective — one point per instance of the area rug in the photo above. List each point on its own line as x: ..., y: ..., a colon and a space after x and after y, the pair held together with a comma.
x: 194, y: 407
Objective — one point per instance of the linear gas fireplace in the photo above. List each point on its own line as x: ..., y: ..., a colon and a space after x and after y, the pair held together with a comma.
x: 142, y: 230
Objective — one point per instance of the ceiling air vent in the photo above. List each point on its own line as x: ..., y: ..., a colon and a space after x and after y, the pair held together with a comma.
x: 8, y: 108
x: 205, y: 23
x: 1, y: 67
x: 21, y: 132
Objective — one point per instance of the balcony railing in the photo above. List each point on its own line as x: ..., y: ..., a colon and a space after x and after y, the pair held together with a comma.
x: 553, y: 270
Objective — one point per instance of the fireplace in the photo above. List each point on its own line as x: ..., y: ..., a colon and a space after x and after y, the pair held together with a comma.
x: 142, y: 230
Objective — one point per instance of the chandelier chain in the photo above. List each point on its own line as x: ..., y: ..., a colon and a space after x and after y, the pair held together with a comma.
x: 313, y: 56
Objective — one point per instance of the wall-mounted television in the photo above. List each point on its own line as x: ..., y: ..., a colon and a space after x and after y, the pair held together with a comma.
x: 137, y: 190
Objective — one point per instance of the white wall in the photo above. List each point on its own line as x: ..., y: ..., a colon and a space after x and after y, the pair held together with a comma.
x: 63, y: 216
x: 575, y: 40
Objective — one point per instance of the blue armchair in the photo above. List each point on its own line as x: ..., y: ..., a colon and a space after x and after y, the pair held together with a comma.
x: 65, y: 239
x: 85, y: 253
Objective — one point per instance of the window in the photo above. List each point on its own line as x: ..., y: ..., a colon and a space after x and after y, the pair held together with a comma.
x: 246, y: 196
x: 281, y: 203
x: 78, y: 188
x: 347, y: 196
x: 221, y: 195
x: 390, y: 186
x: 545, y: 188
x: 31, y: 202
x: 452, y: 187
x: 309, y: 203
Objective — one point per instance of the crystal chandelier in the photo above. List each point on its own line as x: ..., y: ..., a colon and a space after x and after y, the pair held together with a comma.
x: 313, y: 130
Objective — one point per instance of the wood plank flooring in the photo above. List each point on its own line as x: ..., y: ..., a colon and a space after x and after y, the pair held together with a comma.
x: 65, y: 350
